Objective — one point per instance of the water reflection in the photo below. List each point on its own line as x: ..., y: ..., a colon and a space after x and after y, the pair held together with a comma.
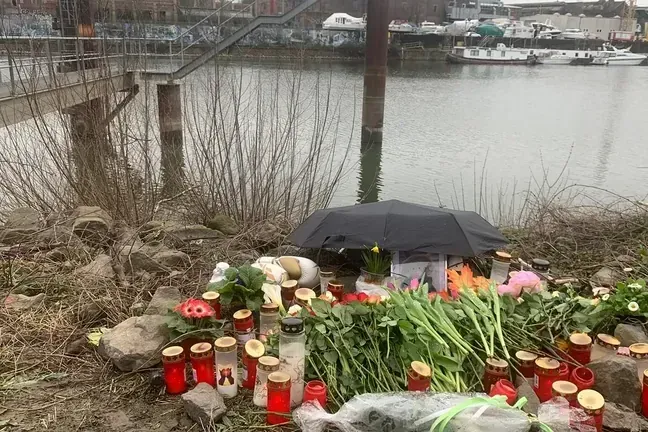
x: 370, y: 173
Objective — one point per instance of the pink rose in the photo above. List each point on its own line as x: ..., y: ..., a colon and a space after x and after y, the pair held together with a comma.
x: 527, y: 281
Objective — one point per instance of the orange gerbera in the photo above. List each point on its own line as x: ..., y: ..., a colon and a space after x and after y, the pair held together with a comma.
x: 464, y: 280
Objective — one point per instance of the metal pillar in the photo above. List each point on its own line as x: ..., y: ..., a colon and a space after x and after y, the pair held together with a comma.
x: 370, y: 183
x: 172, y: 155
x: 375, y: 78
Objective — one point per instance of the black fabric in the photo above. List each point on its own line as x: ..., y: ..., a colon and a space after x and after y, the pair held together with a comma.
x: 399, y: 226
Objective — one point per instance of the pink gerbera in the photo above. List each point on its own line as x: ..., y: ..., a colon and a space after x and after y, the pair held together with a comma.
x: 202, y: 310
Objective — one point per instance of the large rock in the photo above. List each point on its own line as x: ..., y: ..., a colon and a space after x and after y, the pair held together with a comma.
x: 630, y: 334
x: 135, y: 343
x: 136, y: 259
x: 23, y: 217
x: 21, y: 302
x: 224, y: 224
x: 204, y: 405
x: 524, y: 389
x: 186, y: 233
x: 616, y: 380
x: 618, y: 418
x: 173, y: 259
x: 164, y: 299
x: 606, y: 276
x: 100, y: 268
x: 126, y: 238
x: 14, y: 236
x: 92, y: 224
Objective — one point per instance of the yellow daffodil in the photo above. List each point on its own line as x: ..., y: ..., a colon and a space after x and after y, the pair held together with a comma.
x: 375, y: 249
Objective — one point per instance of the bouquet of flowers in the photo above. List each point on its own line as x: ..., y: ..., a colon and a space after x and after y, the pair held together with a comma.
x: 194, y: 318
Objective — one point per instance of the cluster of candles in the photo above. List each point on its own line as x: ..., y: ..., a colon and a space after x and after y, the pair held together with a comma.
x: 553, y: 378
x: 277, y: 383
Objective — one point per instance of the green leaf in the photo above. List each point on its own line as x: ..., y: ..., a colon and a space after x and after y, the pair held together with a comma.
x: 322, y: 308
x: 448, y: 363
x: 320, y: 328
x: 331, y: 356
x: 254, y: 304
x: 231, y: 273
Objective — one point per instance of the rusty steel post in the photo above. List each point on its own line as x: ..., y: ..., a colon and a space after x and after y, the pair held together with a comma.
x: 172, y: 155
x: 375, y: 78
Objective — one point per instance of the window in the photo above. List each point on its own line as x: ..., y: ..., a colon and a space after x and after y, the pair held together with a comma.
x: 488, y: 53
x: 474, y: 53
x: 434, y: 8
x: 502, y: 53
x: 576, y: 54
x: 162, y: 15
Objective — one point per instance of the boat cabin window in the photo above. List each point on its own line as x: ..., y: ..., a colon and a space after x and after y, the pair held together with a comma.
x: 459, y: 51
x: 474, y: 53
x: 576, y: 55
x: 531, y: 52
x: 502, y: 53
x: 488, y: 53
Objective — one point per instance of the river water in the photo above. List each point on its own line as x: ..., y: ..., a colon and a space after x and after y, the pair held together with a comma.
x: 452, y: 131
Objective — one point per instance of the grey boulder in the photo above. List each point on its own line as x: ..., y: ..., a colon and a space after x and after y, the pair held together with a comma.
x: 91, y: 223
x: 204, y: 405
x: 630, y: 334
x: 618, y: 418
x: 100, y: 268
x: 21, y: 302
x: 616, y: 380
x: 135, y: 343
x: 164, y: 299
x: 606, y: 276
x: 224, y: 224
x: 23, y: 217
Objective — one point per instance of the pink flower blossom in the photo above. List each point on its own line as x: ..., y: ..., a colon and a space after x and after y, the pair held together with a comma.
x: 414, y: 283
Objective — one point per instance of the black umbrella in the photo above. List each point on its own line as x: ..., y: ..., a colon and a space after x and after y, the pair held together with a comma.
x: 399, y: 226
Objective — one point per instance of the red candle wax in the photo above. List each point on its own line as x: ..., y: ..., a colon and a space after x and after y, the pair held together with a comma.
x: 544, y: 375
x: 202, y: 362
x: 505, y: 388
x: 244, y: 326
x: 254, y: 349
x: 526, y: 363
x: 213, y: 299
x: 419, y: 376
x: 175, y: 378
x: 278, y: 397
x: 563, y: 372
x: 644, y: 394
x: 580, y: 348
x: 315, y: 390
x: 337, y: 289
x: 583, y: 378
x: 494, y: 371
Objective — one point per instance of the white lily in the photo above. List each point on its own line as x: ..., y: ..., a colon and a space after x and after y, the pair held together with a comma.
x: 633, y: 306
x: 294, y: 310
x: 272, y: 294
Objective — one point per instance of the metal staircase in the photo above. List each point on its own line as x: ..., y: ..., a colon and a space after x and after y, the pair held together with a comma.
x: 259, y: 21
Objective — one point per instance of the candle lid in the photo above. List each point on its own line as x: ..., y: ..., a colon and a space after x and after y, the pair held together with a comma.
x: 525, y: 356
x: 202, y: 349
x: 645, y: 374
x: 292, y: 325
x: 607, y: 341
x: 336, y: 283
x: 422, y: 369
x: 580, y: 339
x: 326, y: 273
x: 279, y: 377
x: 269, y: 308
x: 172, y: 351
x: 564, y: 388
x: 289, y: 284
x: 547, y: 363
x: 540, y: 264
x: 254, y: 348
x: 242, y: 314
x: 305, y: 294
x: 211, y: 295
x: 269, y: 364
x: 225, y: 344
x: 591, y: 400
x: 495, y: 362
x: 502, y: 256
x: 639, y: 349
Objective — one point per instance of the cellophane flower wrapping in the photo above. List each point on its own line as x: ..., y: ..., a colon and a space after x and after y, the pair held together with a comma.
x: 560, y: 417
x: 411, y: 412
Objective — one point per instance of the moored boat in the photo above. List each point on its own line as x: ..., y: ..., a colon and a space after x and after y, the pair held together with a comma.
x: 500, y: 56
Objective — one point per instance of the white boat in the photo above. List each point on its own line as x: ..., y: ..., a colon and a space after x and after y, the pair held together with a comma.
x: 621, y: 57
x: 398, y: 26
x: 573, y: 34
x: 554, y: 58
x: 428, y: 27
x: 501, y: 55
x: 518, y: 30
x: 459, y: 28
x: 546, y: 30
x: 344, y: 22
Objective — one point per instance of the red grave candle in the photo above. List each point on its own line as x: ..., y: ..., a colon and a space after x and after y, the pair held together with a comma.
x: 580, y: 348
x: 337, y: 289
x: 563, y: 372
x: 213, y: 299
x: 545, y: 374
x: 202, y: 362
x: 583, y: 378
x: 567, y: 390
x: 175, y: 378
x: 526, y: 363
x: 593, y: 404
x: 644, y: 394
x: 288, y: 289
x: 419, y: 376
x: 315, y: 390
x: 254, y: 349
x: 278, y: 397
x: 494, y: 371
x: 244, y: 326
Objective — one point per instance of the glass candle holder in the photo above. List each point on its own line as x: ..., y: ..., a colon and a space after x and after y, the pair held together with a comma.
x: 315, y: 390
x: 265, y: 367
x: 644, y: 394
x: 580, y: 348
x: 226, y: 366
x: 526, y: 363
x: 541, y: 267
x: 278, y: 397
x: 175, y: 378
x: 292, y: 355
x: 303, y: 296
x: 268, y: 320
x: 494, y: 371
x: 419, y: 376
x: 337, y: 289
x: 582, y: 377
x: 212, y: 298
x: 325, y: 278
x: 500, y: 269
x: 252, y: 351
x: 544, y: 375
x: 593, y: 404
x: 567, y: 390
x: 288, y: 289
x: 202, y: 362
x: 244, y: 326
